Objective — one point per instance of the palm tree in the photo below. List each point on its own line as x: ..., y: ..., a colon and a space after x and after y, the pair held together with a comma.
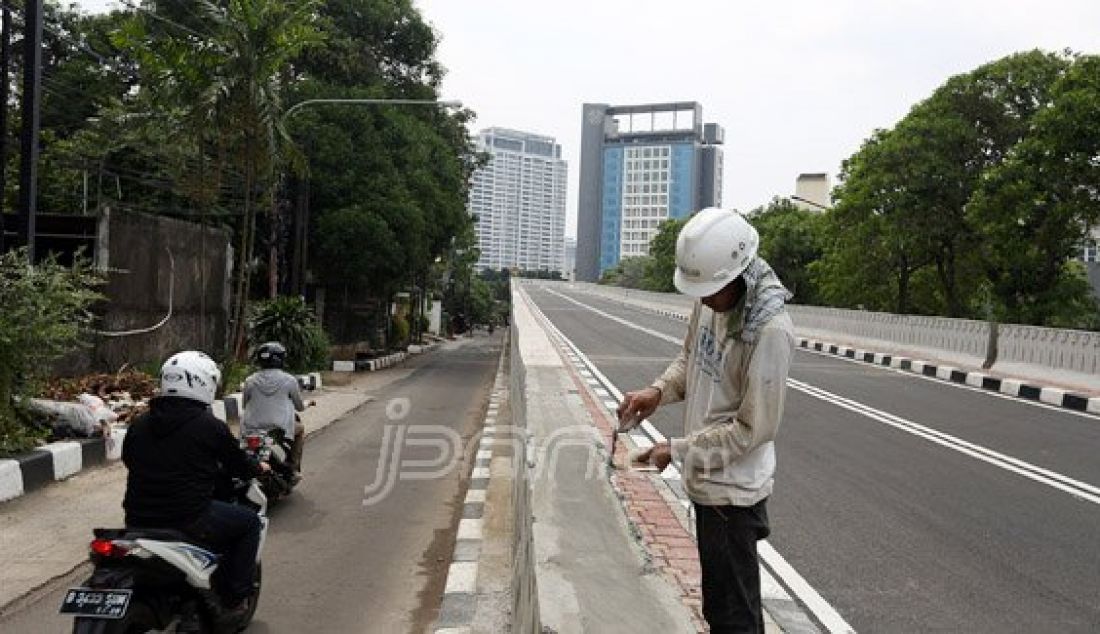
x: 218, y: 73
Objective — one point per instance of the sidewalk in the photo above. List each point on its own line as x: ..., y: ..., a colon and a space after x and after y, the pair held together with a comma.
x: 47, y: 532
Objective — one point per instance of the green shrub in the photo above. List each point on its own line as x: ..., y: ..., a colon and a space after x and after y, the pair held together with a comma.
x: 233, y: 375
x: 44, y: 314
x: 290, y: 322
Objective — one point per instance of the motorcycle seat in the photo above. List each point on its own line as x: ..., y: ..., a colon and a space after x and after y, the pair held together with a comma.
x: 159, y: 534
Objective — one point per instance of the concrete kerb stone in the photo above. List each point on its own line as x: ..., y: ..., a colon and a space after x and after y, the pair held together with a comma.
x: 1056, y: 396
x: 381, y: 363
x: 458, y: 605
x: 63, y: 459
x: 67, y: 458
x: 11, y: 480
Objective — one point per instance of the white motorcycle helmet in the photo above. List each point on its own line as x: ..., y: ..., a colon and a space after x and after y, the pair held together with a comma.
x: 190, y: 374
x: 713, y: 248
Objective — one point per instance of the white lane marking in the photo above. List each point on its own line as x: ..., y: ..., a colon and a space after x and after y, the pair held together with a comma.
x: 647, y: 427
x: 809, y: 597
x: 824, y: 612
x: 1050, y: 478
x: 629, y: 324
x: 1065, y: 483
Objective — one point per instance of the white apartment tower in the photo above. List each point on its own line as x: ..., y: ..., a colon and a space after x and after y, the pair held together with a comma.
x: 519, y: 201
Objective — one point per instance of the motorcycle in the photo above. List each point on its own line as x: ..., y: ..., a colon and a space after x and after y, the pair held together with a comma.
x: 273, y: 447
x: 153, y: 579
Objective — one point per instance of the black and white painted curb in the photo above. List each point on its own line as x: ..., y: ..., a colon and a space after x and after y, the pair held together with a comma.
x: 459, y: 605
x: 61, y: 460
x: 56, y: 461
x: 381, y: 363
x: 1011, y: 387
x: 1055, y: 396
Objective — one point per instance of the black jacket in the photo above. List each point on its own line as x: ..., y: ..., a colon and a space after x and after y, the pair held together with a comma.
x: 175, y: 455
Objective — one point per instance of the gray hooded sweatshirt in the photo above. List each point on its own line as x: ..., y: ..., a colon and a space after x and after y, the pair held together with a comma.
x: 732, y: 371
x: 270, y: 400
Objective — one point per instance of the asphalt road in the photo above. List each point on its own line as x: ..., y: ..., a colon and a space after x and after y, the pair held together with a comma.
x: 332, y: 564
x: 897, y: 532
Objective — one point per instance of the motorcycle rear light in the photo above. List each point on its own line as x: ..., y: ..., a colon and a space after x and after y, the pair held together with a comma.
x: 107, y: 548
x: 254, y: 442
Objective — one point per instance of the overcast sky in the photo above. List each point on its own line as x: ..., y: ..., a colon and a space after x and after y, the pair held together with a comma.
x: 797, y: 84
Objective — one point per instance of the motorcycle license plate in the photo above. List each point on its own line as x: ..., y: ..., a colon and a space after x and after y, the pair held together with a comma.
x: 102, y: 604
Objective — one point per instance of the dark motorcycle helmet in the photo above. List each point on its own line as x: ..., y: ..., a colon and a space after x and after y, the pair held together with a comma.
x: 271, y: 355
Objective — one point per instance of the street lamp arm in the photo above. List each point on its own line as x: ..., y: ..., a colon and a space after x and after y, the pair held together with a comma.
x: 810, y: 202
x: 382, y: 102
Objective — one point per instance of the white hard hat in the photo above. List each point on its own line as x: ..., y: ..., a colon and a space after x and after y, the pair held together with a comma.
x: 190, y: 374
x: 713, y: 248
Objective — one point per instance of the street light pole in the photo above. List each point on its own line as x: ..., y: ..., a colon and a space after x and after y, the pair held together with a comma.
x: 302, y: 234
x: 32, y: 100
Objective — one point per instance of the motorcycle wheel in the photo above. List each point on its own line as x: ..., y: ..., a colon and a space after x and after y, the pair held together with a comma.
x: 255, y: 600
x: 138, y: 620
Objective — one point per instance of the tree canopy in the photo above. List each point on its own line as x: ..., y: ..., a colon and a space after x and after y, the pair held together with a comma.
x: 975, y: 202
x: 181, y: 109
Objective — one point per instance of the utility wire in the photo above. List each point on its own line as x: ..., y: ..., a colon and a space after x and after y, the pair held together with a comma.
x: 82, y: 46
x: 165, y: 20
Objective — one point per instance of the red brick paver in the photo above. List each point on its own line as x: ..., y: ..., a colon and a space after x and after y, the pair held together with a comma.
x: 670, y: 548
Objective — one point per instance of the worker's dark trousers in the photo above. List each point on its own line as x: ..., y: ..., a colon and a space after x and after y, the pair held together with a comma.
x: 727, y: 537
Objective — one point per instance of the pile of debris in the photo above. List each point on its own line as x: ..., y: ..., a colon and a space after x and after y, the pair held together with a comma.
x: 89, y: 405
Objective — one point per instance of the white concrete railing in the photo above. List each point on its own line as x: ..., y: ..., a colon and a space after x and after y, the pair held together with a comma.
x: 1075, y: 351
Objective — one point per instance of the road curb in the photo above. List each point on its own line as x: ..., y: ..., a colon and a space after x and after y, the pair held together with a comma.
x: 381, y: 363
x: 56, y: 461
x: 31, y: 471
x: 1057, y: 397
x: 460, y: 597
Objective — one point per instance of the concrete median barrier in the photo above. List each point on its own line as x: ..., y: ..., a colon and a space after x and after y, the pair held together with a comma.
x: 564, y: 503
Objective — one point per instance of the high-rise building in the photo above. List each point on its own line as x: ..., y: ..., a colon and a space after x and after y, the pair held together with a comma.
x: 519, y: 201
x: 811, y: 192
x: 641, y: 165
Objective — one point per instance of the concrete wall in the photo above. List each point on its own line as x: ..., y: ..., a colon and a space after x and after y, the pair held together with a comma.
x: 525, y: 593
x: 155, y: 266
x: 955, y: 335
x: 578, y: 564
x: 1074, y: 352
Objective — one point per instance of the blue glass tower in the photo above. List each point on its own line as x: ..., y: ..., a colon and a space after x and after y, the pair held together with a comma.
x: 641, y: 165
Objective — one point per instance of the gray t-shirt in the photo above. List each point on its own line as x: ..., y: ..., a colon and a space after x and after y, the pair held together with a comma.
x: 270, y: 399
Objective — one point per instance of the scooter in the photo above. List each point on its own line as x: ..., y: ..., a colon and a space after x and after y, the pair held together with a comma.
x: 272, y: 446
x: 156, y: 579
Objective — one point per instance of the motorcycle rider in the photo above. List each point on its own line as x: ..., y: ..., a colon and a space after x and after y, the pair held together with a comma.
x: 175, y: 455
x: 271, y: 398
